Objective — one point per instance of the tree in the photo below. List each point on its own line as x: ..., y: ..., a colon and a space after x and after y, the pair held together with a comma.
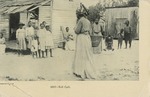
x: 132, y: 3
x: 95, y: 12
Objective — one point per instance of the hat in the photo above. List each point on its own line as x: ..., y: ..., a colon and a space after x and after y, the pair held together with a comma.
x: 21, y: 24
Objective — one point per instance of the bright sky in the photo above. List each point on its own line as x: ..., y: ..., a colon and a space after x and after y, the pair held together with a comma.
x: 88, y: 3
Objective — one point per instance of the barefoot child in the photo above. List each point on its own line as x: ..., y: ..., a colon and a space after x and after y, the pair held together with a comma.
x: 34, y: 47
x: 49, y: 41
x: 2, y: 44
x: 120, y: 39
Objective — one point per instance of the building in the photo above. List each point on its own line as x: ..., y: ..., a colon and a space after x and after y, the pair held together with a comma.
x: 58, y: 13
x: 115, y: 18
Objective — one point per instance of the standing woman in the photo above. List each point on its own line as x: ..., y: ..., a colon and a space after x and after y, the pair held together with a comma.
x: 20, y: 36
x: 127, y: 34
x: 41, y: 39
x: 29, y: 35
x: 97, y: 31
x: 83, y: 62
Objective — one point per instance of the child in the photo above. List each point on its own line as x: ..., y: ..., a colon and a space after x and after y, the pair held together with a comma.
x: 20, y: 35
x: 41, y: 40
x: 2, y: 44
x: 120, y: 39
x: 109, y: 43
x: 34, y: 47
x: 49, y: 41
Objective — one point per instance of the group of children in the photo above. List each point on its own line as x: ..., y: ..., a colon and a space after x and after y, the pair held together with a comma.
x: 37, y: 41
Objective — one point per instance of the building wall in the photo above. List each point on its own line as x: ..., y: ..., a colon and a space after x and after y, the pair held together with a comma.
x: 113, y: 15
x: 4, y: 25
x: 63, y: 15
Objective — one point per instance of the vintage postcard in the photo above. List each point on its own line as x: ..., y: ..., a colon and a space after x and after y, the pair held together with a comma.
x: 51, y: 47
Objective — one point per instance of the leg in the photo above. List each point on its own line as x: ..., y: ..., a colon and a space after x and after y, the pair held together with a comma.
x: 36, y: 54
x: 126, y: 43
x: 39, y: 51
x: 33, y: 54
x: 130, y: 42
x: 51, y: 53
x: 42, y: 54
x: 46, y: 52
x: 64, y: 44
x: 121, y: 44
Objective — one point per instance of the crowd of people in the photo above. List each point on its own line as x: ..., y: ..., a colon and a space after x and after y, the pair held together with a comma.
x: 39, y: 42
x: 83, y: 65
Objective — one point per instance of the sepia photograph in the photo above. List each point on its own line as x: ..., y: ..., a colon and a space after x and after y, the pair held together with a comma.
x: 69, y: 40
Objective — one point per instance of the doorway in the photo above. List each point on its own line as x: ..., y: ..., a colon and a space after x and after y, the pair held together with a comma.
x: 13, y: 25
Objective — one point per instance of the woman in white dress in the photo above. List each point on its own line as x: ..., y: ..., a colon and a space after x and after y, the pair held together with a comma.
x: 20, y: 36
x: 29, y: 35
x: 41, y: 39
x: 83, y: 65
x: 49, y: 41
x: 2, y: 44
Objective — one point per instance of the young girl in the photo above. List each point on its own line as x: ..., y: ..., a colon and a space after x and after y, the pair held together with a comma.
x: 2, y: 44
x: 34, y: 46
x: 41, y: 40
x: 49, y: 41
x: 20, y: 35
x: 120, y: 39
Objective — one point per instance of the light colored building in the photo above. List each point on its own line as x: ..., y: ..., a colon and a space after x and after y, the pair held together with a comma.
x: 58, y: 13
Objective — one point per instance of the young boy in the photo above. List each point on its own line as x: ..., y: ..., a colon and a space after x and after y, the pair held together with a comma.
x: 120, y: 39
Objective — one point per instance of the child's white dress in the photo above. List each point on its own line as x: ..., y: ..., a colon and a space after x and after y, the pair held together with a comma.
x: 34, y: 46
x: 2, y: 45
x: 49, y: 43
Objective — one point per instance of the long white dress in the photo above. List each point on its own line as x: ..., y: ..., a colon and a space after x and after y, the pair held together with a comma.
x: 20, y: 35
x: 83, y: 62
x: 29, y: 35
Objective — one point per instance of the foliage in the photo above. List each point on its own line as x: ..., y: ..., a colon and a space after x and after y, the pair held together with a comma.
x: 133, y: 3
x: 94, y: 12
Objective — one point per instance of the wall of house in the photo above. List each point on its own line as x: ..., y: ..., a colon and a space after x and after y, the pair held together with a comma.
x: 114, y: 15
x: 63, y: 15
x: 4, y: 25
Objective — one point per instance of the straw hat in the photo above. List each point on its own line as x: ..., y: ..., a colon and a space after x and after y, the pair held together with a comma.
x: 21, y: 24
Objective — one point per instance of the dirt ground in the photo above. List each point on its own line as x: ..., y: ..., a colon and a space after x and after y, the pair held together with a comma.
x: 121, y: 64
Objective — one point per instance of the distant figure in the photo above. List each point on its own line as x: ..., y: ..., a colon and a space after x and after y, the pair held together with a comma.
x: 97, y: 31
x: 69, y: 40
x: 20, y: 36
x: 120, y: 39
x: 127, y: 34
x: 41, y: 40
x: 29, y: 35
x: 49, y: 41
x: 34, y: 48
x: 2, y: 44
x: 109, y: 43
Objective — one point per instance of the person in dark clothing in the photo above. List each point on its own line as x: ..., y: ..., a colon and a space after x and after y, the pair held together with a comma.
x: 109, y: 43
x: 120, y: 39
x: 127, y: 35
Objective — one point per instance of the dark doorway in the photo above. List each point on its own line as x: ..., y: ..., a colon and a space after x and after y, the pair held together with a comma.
x: 13, y: 24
